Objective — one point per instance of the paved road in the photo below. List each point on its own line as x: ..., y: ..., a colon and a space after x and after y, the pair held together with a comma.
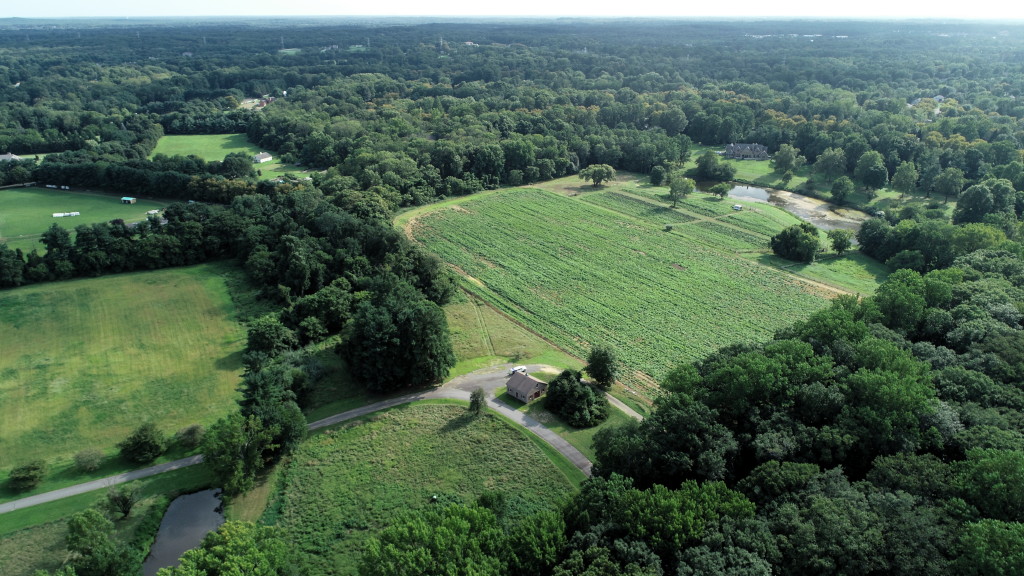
x: 101, y: 483
x: 458, y: 388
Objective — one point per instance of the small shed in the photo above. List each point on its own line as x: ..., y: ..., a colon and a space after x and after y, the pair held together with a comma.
x: 128, y: 200
x: 525, y: 388
x: 262, y: 157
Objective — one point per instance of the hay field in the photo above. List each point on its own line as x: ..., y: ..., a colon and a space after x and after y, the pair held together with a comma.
x: 86, y: 361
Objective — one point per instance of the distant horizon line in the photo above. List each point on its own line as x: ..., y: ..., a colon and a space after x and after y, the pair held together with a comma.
x: 766, y: 18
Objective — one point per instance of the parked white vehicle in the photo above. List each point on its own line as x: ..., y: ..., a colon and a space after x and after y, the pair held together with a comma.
x: 515, y: 369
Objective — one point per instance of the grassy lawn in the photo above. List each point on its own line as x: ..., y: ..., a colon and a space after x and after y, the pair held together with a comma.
x: 209, y: 147
x: 333, y: 497
x: 212, y: 147
x: 25, y: 213
x: 483, y: 337
x: 86, y: 361
x: 859, y: 273
x: 582, y: 268
x: 581, y: 438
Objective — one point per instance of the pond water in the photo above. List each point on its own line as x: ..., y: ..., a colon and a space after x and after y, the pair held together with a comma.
x: 818, y: 212
x: 188, y: 519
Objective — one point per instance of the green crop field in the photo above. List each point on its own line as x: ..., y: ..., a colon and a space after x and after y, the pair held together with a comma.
x: 86, y: 361
x: 25, y: 213
x: 580, y: 273
x: 333, y: 498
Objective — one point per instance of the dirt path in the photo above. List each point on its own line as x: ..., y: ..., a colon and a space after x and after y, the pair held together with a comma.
x: 458, y: 388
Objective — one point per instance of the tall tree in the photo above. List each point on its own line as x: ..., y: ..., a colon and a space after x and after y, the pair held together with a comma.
x: 603, y: 365
x: 237, y: 449
x: 871, y: 171
x: 787, y: 159
x: 950, y: 182
x: 711, y: 167
x: 974, y: 204
x: 679, y: 186
x: 831, y: 163
x: 397, y: 339
x: 904, y: 180
x: 841, y: 189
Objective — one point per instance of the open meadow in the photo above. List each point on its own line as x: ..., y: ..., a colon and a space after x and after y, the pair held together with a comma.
x: 332, y: 498
x: 582, y: 265
x: 482, y: 337
x: 86, y: 361
x: 25, y: 213
x: 211, y: 147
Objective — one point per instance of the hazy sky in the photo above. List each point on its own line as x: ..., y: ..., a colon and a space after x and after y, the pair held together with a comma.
x: 974, y: 9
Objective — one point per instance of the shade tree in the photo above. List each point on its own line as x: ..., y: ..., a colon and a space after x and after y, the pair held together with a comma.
x: 597, y: 174
x: 799, y: 242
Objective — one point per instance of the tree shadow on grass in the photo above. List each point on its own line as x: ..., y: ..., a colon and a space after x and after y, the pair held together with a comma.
x: 230, y: 362
x: 459, y: 422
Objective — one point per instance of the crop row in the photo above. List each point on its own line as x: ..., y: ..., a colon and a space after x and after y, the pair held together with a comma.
x: 578, y: 276
x: 726, y: 237
x: 658, y: 214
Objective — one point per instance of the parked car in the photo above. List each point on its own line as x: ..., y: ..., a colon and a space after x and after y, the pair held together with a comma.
x: 515, y: 369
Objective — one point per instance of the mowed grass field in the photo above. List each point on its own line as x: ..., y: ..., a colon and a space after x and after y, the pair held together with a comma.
x: 212, y: 147
x: 86, y: 361
x: 343, y: 486
x: 209, y: 147
x: 482, y: 337
x: 598, y: 266
x: 25, y: 213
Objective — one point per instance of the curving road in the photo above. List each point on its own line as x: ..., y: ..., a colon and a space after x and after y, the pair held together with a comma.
x: 458, y: 388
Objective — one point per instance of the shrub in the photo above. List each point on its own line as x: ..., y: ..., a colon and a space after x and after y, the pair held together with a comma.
x: 121, y: 499
x: 477, y: 402
x: 27, y: 476
x: 88, y: 460
x: 144, y: 444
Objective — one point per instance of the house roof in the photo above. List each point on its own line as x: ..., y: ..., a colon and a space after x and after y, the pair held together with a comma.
x: 9, y: 156
x: 262, y: 155
x: 524, y: 383
x: 751, y: 147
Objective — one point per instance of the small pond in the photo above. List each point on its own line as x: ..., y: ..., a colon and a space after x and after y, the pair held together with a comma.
x: 818, y: 212
x: 188, y: 519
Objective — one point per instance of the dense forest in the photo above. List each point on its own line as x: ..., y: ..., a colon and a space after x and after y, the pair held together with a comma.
x: 881, y: 436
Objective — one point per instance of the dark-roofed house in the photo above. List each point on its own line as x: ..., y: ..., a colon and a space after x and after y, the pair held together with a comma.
x: 525, y: 388
x: 747, y: 151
